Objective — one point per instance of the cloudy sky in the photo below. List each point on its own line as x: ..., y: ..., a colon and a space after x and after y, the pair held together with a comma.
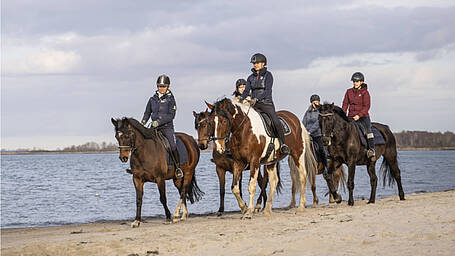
x: 69, y: 66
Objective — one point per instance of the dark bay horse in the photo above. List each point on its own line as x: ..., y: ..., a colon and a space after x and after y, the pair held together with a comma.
x: 341, y: 136
x: 148, y: 163
x: 241, y: 126
x: 205, y: 131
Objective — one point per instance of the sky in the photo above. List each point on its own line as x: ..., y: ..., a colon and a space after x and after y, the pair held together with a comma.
x: 68, y: 67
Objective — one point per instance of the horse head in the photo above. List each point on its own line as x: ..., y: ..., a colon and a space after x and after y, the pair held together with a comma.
x: 125, y: 137
x: 327, y: 122
x: 222, y: 116
x: 204, y: 128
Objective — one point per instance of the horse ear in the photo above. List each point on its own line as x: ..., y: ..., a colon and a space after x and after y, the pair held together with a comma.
x: 332, y: 106
x: 194, y: 114
x: 114, y: 122
x: 209, y: 105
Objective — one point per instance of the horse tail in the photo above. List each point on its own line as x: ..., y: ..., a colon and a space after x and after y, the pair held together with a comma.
x: 279, y: 185
x: 294, y: 174
x: 342, y: 181
x: 311, y: 164
x: 194, y: 193
x: 386, y: 172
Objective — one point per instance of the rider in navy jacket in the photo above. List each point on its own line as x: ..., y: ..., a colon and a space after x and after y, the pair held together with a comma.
x: 161, y: 109
x: 260, y: 84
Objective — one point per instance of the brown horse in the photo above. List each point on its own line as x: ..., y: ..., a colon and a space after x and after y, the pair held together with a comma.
x: 148, y: 163
x: 241, y: 126
x: 223, y: 163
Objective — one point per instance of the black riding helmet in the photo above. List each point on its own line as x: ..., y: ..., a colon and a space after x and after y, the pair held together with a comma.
x: 314, y: 97
x: 357, y: 76
x: 240, y: 82
x: 163, y: 80
x: 258, y: 57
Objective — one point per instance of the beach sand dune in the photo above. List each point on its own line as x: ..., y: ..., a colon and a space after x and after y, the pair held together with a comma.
x: 424, y: 224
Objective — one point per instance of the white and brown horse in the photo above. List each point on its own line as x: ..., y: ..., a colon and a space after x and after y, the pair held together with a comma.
x: 242, y: 126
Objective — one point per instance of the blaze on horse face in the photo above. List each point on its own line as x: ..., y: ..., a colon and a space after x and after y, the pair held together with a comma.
x: 222, y: 130
x: 204, y: 127
x: 327, y: 123
x: 125, y: 138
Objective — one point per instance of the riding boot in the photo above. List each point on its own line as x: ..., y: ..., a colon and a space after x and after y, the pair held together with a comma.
x: 370, y: 152
x: 178, y: 171
x: 284, y: 148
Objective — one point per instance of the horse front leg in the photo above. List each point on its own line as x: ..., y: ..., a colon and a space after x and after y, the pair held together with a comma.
x: 328, y: 176
x: 237, y: 171
x: 254, y: 170
x: 222, y: 181
x: 373, y: 181
x: 273, y: 180
x: 351, y: 174
x: 139, y: 186
x: 162, y: 189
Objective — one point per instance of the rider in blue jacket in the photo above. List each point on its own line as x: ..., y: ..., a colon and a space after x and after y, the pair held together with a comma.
x: 161, y: 109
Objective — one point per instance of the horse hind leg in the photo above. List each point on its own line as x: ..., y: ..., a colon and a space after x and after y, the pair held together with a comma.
x: 262, y: 181
x: 302, y: 174
x: 182, y: 201
x: 395, y: 170
x: 295, y: 181
x: 139, y: 186
x: 254, y: 170
x: 273, y: 180
x: 373, y: 181
x: 236, y: 189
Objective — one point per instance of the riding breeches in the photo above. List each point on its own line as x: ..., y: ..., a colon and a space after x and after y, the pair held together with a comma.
x: 269, y: 108
x: 366, y: 123
x: 170, y: 136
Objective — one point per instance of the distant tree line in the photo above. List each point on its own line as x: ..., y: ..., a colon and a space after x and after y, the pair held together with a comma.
x: 91, y: 147
x: 421, y: 139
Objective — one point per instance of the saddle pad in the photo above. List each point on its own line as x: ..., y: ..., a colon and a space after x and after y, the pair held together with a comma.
x: 267, y: 122
x: 378, y: 138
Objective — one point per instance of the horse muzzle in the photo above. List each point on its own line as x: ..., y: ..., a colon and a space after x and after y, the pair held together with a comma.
x: 124, y: 159
x: 203, y: 145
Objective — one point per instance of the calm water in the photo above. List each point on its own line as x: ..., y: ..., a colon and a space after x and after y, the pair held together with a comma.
x: 46, y: 190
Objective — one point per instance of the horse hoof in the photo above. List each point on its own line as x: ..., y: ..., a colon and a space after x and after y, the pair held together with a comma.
x: 351, y: 203
x: 174, y: 220
x: 338, y: 200
x: 247, y: 215
x: 219, y: 213
x: 244, y: 210
x: 370, y: 202
x: 135, y: 224
x: 267, y: 213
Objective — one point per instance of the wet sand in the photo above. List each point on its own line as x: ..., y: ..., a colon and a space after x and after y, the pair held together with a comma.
x: 424, y: 224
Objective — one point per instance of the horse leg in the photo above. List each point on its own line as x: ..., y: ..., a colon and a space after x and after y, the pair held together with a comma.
x: 263, y: 186
x: 336, y: 180
x: 236, y: 188
x: 139, y: 186
x: 162, y: 189
x: 351, y: 174
x: 373, y: 181
x: 328, y: 176
x: 295, y: 181
x: 393, y: 165
x: 254, y: 170
x: 222, y: 181
x: 273, y: 180
x: 302, y: 176
x: 313, y: 185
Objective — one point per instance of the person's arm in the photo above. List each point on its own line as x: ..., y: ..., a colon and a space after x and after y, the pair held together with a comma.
x: 170, y: 114
x: 366, y: 104
x: 346, y: 102
x: 147, y: 112
x: 268, y: 86
x: 247, y: 90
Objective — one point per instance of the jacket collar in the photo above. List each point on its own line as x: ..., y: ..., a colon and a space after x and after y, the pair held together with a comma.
x: 262, y: 71
x: 160, y: 96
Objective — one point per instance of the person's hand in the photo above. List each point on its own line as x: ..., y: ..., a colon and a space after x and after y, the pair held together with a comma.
x: 155, y: 124
x: 356, y: 117
x: 143, y: 122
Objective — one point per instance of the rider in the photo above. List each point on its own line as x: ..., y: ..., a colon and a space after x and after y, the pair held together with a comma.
x: 311, y: 122
x: 357, y: 99
x: 161, y: 108
x: 260, y: 84
x: 239, y: 87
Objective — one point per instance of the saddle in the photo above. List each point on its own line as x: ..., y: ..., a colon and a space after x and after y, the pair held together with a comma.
x: 362, y: 131
x: 183, y: 152
x: 269, y: 129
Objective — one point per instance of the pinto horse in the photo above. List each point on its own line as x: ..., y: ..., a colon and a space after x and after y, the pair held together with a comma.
x: 205, y: 131
x: 241, y: 126
x: 148, y: 163
x: 340, y: 134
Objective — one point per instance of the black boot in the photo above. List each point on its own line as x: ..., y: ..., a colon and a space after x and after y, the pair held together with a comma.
x: 370, y: 152
x: 178, y: 171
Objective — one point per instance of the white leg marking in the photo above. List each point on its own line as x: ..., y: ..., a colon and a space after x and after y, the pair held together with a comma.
x: 273, y: 181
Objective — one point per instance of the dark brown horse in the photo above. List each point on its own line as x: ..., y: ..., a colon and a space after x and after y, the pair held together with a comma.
x: 341, y: 136
x: 148, y: 163
x: 241, y: 126
x: 223, y: 163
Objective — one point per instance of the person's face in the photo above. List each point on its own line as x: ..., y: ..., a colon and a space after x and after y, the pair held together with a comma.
x: 357, y: 84
x: 315, y: 103
x: 162, y: 88
x: 241, y: 88
x: 258, y: 65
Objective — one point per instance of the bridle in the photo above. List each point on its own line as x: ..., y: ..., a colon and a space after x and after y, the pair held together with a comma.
x: 132, y: 147
x: 209, y: 137
x: 330, y: 136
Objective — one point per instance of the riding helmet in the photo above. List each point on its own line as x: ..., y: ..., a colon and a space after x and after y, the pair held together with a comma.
x: 258, y: 57
x: 163, y: 80
x: 357, y: 76
x: 240, y: 82
x: 314, y: 97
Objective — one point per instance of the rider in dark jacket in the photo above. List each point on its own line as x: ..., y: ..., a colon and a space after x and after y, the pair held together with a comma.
x: 357, y: 100
x: 161, y: 109
x: 260, y: 84
x: 311, y: 123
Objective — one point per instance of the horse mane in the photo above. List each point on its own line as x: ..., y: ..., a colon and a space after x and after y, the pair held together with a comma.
x: 340, y: 112
x: 224, y: 107
x: 148, y: 133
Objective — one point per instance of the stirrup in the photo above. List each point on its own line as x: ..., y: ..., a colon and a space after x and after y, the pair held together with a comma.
x: 284, y: 149
x: 178, y: 173
x: 371, y: 153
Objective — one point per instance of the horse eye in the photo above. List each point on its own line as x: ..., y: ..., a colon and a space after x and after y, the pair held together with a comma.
x: 224, y: 121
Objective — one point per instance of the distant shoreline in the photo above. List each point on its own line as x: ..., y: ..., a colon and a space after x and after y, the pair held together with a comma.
x: 49, y: 152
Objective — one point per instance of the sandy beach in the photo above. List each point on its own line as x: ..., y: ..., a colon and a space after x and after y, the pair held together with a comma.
x: 424, y: 224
